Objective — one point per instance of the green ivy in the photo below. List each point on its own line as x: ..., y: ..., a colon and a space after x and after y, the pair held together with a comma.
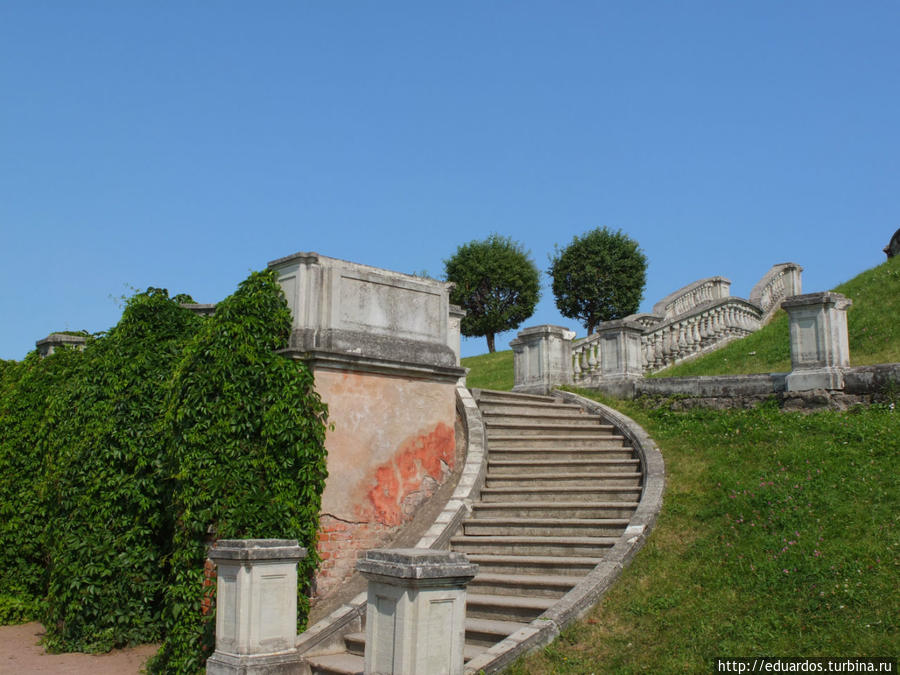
x: 104, y: 450
x: 248, y: 455
x: 121, y: 464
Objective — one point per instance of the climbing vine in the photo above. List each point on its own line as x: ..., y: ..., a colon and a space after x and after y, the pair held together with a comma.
x: 121, y: 464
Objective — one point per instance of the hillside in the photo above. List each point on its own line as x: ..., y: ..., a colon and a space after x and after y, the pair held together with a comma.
x: 873, y: 326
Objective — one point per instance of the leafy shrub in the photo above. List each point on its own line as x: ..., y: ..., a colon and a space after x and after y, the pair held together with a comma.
x: 104, y: 449
x: 121, y: 464
x: 24, y: 391
x: 247, y: 432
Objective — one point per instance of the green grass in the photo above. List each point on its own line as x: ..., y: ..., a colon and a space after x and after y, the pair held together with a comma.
x: 490, y: 371
x: 778, y: 536
x: 873, y: 326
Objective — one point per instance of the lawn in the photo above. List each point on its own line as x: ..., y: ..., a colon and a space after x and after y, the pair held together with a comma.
x: 778, y: 536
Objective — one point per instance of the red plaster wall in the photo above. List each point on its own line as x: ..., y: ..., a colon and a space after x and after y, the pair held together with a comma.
x: 391, y: 447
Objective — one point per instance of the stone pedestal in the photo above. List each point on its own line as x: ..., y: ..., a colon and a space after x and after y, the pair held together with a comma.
x: 819, y: 344
x: 55, y: 340
x: 620, y: 351
x: 415, y: 615
x: 256, y: 606
x: 542, y: 358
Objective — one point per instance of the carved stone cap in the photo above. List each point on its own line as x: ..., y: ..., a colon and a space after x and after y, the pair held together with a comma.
x: 544, y: 330
x: 257, y: 549
x: 61, y: 339
x: 822, y: 298
x: 416, y: 564
x: 456, y: 310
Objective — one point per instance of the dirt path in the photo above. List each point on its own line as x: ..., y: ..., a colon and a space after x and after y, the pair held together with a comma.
x: 20, y: 654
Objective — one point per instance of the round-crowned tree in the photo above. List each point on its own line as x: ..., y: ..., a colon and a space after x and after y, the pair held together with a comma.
x: 600, y: 276
x: 496, y: 282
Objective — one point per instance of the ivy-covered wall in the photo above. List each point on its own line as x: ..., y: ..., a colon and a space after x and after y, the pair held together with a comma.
x: 119, y: 466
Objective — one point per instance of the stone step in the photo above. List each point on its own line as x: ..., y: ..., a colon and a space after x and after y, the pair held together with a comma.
x: 545, y: 527
x: 336, y: 664
x: 503, y: 429
x: 506, y: 607
x: 356, y: 644
x: 532, y: 545
x: 574, y: 566
x: 552, y: 493
x: 521, y: 467
x: 530, y: 408
x: 585, y: 480
x: 607, y: 451
x: 547, y: 417
x: 554, y: 442
x: 488, y: 632
x: 560, y: 509
x: 494, y: 396
x: 533, y: 585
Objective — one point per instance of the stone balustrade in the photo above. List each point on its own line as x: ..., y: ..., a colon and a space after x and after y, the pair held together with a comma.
x: 687, y: 298
x: 780, y: 282
x: 656, y: 345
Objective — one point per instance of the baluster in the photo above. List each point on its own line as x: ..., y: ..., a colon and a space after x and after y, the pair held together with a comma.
x: 576, y: 362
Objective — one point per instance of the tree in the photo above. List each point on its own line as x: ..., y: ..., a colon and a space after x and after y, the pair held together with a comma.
x: 496, y: 282
x: 600, y: 276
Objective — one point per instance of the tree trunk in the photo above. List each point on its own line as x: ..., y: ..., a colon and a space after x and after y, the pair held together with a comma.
x: 591, y: 325
x: 490, y: 339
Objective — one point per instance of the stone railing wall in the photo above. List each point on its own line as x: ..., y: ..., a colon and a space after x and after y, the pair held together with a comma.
x: 780, y: 282
x: 685, y: 299
x: 695, y: 319
x: 666, y: 342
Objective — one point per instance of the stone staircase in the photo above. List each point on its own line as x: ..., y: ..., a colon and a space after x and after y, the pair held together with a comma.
x: 560, y: 489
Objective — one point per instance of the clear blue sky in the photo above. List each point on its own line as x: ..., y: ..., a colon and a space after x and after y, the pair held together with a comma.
x: 183, y: 144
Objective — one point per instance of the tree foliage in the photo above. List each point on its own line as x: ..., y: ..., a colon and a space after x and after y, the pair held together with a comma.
x: 496, y: 282
x: 600, y: 276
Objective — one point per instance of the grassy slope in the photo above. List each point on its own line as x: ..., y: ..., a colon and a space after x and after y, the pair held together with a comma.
x: 778, y: 536
x: 873, y: 324
x: 490, y: 371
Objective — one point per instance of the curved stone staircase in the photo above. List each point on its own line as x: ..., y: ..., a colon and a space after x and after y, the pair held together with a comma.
x: 560, y: 492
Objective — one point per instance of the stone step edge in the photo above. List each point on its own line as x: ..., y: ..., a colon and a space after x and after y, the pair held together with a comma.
x: 525, y: 580
x: 509, y: 601
x: 561, y: 522
x: 609, y: 475
x: 494, y: 395
x: 553, y: 505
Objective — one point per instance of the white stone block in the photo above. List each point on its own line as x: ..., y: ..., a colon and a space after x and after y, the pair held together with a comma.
x: 819, y: 341
x: 416, y: 606
x: 256, y: 606
x: 542, y: 358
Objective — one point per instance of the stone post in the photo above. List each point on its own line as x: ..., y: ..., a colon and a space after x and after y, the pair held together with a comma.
x: 415, y: 614
x: 819, y: 344
x: 47, y: 345
x: 621, y: 353
x: 457, y: 314
x: 256, y: 606
x: 542, y: 358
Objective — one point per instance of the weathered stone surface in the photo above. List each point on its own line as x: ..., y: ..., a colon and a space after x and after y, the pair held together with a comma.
x: 542, y: 358
x: 51, y: 342
x: 415, y: 615
x: 256, y: 608
x: 819, y: 343
x: 347, y: 308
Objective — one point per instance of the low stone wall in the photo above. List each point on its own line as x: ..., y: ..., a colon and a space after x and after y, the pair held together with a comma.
x: 862, y: 385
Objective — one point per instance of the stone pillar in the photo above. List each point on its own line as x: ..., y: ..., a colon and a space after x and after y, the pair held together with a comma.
x: 542, y: 358
x: 415, y: 615
x: 51, y: 342
x: 256, y: 606
x: 819, y: 343
x: 621, y: 352
x: 457, y: 314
